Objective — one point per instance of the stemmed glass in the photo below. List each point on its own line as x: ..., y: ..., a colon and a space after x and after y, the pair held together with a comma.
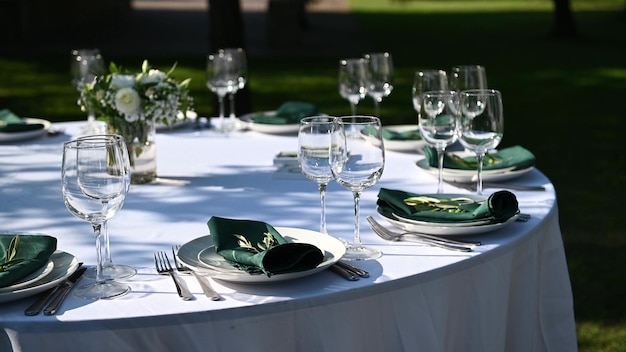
x: 222, y: 72
x: 111, y: 271
x: 353, y: 78
x: 239, y: 55
x: 427, y: 80
x: 85, y: 66
x: 357, y: 159
x: 313, y: 155
x: 380, y: 66
x: 438, y: 123
x: 93, y: 188
x: 466, y: 77
x: 482, y: 124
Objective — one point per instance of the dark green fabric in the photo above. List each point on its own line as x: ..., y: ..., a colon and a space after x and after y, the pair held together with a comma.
x: 498, y: 207
x: 34, y: 249
x: 507, y: 157
x: 388, y: 134
x: 9, y: 122
x: 283, y: 258
x: 290, y: 112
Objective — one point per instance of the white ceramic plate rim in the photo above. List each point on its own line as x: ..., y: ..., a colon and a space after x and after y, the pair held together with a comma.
x: 333, y: 250
x: 468, y: 176
x: 35, y: 276
x: 450, y: 230
x: 25, y: 135
x: 65, y: 264
x: 267, y: 127
x: 404, y: 145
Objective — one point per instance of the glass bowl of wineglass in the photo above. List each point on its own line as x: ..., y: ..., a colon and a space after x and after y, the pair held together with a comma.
x: 380, y: 66
x: 353, y: 78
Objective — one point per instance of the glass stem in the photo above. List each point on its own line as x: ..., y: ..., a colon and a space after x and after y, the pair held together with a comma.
x: 377, y: 107
x: 220, y: 100
x: 97, y: 232
x: 322, y: 188
x: 440, y: 154
x: 107, y: 261
x: 357, y: 212
x: 353, y: 108
x: 231, y: 98
x: 479, y: 184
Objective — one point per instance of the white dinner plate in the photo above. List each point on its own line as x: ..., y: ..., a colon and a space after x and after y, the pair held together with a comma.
x: 446, y: 229
x: 468, y: 176
x: 180, y: 122
x: 268, y: 127
x: 65, y: 265
x: 415, y: 145
x: 26, y: 135
x: 199, y: 254
x: 36, y: 275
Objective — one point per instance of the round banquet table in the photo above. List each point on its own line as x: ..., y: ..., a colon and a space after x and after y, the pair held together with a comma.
x: 512, y: 293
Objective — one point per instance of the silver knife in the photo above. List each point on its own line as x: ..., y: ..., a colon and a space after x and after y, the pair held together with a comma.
x: 346, y: 274
x: 65, y: 288
x: 37, y: 306
x: 354, y: 269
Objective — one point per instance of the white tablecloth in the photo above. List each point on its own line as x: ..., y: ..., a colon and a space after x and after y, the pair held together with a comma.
x: 511, y: 294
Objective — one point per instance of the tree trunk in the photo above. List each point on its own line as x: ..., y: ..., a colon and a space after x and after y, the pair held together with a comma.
x: 564, y: 24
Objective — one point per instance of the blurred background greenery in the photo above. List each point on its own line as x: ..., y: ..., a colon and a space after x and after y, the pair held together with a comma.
x: 562, y: 100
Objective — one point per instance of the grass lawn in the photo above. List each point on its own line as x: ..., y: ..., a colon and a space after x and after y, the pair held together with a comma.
x: 562, y: 100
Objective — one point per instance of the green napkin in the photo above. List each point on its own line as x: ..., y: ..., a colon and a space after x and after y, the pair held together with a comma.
x: 498, y: 207
x: 507, y: 157
x: 34, y: 250
x: 282, y: 258
x: 9, y: 122
x: 290, y: 112
x: 410, y: 135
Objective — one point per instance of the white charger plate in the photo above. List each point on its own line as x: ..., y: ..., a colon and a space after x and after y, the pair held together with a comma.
x: 65, y: 264
x: 447, y: 229
x: 26, y: 135
x: 199, y: 254
x: 416, y: 145
x: 268, y: 127
x: 36, y: 275
x: 468, y: 176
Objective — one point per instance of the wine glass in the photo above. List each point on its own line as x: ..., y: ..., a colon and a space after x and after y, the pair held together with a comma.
x: 222, y: 71
x: 427, y: 80
x: 482, y: 124
x: 380, y: 66
x: 438, y: 123
x: 93, y: 188
x: 111, y: 271
x: 239, y: 55
x: 85, y: 66
x: 466, y: 77
x: 357, y: 159
x: 313, y: 155
x: 353, y: 78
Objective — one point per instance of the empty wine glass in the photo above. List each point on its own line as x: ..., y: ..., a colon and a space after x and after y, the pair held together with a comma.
x: 239, y: 55
x: 85, y: 66
x: 380, y: 66
x: 93, y: 188
x: 357, y: 159
x: 223, y: 78
x: 466, y: 77
x: 427, y: 80
x: 353, y: 78
x: 482, y: 124
x: 313, y: 155
x: 438, y: 123
x: 111, y: 271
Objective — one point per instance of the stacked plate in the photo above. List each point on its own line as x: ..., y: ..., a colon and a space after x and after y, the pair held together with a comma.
x: 200, y: 255
x: 59, y: 268
x: 7, y: 137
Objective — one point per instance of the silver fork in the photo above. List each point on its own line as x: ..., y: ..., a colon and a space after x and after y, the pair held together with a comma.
x: 385, y: 234
x: 203, y: 281
x: 163, y: 267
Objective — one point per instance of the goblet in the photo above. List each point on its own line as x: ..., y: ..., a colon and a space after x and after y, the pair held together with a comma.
x: 239, y: 55
x: 357, y: 159
x: 314, y: 154
x: 380, y: 66
x: 93, y: 188
x: 85, y: 66
x: 222, y: 71
x: 438, y: 123
x: 466, y: 77
x: 482, y: 124
x: 353, y: 78
x: 111, y: 271
x: 427, y: 80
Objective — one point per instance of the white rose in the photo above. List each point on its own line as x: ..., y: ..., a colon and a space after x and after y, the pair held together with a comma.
x: 122, y: 81
x: 153, y: 76
x: 127, y: 101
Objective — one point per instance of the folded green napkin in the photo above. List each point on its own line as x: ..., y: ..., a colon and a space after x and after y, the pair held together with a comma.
x: 282, y: 257
x: 516, y: 156
x: 290, y: 112
x: 498, y: 207
x: 32, y: 252
x: 9, y: 122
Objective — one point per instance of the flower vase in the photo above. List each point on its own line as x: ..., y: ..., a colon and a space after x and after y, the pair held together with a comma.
x: 141, y: 151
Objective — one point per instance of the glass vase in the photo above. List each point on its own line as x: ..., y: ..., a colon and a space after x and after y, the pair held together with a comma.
x: 141, y: 143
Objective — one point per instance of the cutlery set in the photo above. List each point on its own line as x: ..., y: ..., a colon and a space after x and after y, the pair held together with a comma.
x: 348, y: 272
x: 61, y: 291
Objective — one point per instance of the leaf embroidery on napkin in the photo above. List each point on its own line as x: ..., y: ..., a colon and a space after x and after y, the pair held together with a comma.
x: 11, y: 253
x: 268, y: 242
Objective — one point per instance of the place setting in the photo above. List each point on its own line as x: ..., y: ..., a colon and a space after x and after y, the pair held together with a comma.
x: 14, y: 128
